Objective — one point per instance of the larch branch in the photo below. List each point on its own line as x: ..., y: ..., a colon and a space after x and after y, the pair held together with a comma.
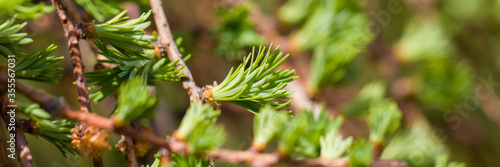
x: 71, y: 32
x: 167, y: 42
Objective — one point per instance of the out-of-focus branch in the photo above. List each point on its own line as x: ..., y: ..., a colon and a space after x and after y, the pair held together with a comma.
x: 268, y: 159
x: 167, y: 42
x: 126, y: 146
x: 4, y: 159
x: 267, y: 27
x: 22, y: 150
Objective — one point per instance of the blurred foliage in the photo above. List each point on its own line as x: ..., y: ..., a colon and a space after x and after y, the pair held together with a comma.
x: 23, y: 9
x: 188, y: 161
x: 131, y: 107
x: 267, y: 125
x: 442, y: 161
x: 384, y: 120
x: 11, y: 40
x: 335, y: 30
x: 437, y: 48
x: 419, y: 145
x: 370, y: 94
x: 235, y: 32
x: 98, y: 9
x: 333, y: 146
x: 361, y: 153
x: 199, y: 130
x: 316, y: 126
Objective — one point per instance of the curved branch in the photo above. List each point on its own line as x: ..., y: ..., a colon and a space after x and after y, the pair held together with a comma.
x: 167, y: 42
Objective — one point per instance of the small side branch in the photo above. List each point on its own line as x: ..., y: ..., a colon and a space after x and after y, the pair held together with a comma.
x: 126, y: 146
x: 167, y: 42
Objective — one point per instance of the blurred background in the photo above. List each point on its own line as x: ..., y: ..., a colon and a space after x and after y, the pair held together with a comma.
x: 439, y: 59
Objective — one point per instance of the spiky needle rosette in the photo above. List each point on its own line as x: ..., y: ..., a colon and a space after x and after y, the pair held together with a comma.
x: 126, y: 35
x: 257, y: 85
x: 10, y: 39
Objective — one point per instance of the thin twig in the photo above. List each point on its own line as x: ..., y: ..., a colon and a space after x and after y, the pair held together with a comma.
x: 167, y: 42
x: 71, y: 33
x: 126, y: 146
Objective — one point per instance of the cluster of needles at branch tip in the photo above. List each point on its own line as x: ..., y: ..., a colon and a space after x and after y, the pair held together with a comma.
x: 258, y: 84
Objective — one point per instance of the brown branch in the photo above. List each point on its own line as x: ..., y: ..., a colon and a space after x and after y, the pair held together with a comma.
x: 4, y: 159
x: 167, y: 42
x: 22, y: 150
x: 71, y: 32
x: 126, y: 146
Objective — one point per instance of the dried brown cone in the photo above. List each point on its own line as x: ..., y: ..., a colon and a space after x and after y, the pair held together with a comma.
x: 89, y: 141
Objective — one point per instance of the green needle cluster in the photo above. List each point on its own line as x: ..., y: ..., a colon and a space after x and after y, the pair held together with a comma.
x: 126, y: 35
x: 34, y: 112
x: 134, y: 101
x: 236, y: 32
x: 384, y: 120
x: 10, y: 39
x: 198, y: 128
x: 132, y: 52
x: 442, y: 161
x: 333, y: 146
x: 24, y: 9
x: 344, y: 35
x: 371, y: 93
x: 266, y: 126
x: 315, y: 128
x: 98, y: 9
x: 255, y: 83
x: 59, y: 134
x: 145, y: 65
x: 361, y: 153
x: 39, y: 66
